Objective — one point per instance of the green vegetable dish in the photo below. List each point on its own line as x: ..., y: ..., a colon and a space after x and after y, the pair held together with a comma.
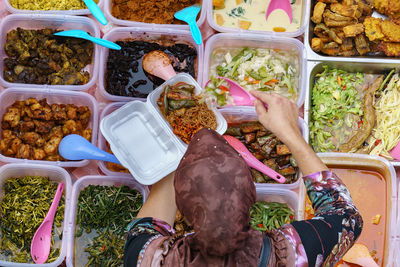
x: 102, y: 216
x: 336, y: 108
x: 253, y: 68
x: 24, y: 206
x: 270, y: 215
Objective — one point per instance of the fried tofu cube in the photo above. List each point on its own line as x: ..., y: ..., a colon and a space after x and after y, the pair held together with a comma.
x: 376, y: 219
x: 318, y: 12
x: 243, y: 24
x: 353, y: 30
x: 220, y: 20
x: 317, y: 44
x: 219, y: 4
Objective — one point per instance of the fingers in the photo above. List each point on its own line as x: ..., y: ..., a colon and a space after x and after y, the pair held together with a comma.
x: 260, y: 108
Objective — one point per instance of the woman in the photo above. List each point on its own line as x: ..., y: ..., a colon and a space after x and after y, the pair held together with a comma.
x: 213, y: 189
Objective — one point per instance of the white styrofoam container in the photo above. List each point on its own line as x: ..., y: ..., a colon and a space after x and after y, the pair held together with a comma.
x: 241, y: 40
x: 94, y: 180
x: 343, y: 160
x: 246, y: 114
x: 282, y: 196
x: 102, y: 142
x: 143, y: 141
x: 150, y: 35
x: 12, y: 9
x: 54, y: 173
x: 9, y: 96
x: 129, y: 23
x: 56, y: 22
x: 300, y: 31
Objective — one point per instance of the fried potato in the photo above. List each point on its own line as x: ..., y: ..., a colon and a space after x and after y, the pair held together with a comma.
x: 353, y: 30
x: 317, y: 44
x: 362, y: 45
x: 347, y: 11
x: 243, y: 24
x: 318, y: 12
x: 332, y: 19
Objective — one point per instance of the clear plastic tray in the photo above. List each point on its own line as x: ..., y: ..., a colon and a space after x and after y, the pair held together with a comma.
x: 94, y: 180
x: 245, y: 114
x: 102, y: 142
x: 381, y: 165
x: 283, y: 196
x: 11, y: 9
x: 9, y: 96
x: 116, y: 21
x: 57, y: 22
x: 56, y: 174
x: 241, y: 40
x: 142, y: 139
x: 300, y: 31
x: 146, y: 34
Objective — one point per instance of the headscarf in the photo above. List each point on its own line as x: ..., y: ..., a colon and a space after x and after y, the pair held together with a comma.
x: 214, y: 191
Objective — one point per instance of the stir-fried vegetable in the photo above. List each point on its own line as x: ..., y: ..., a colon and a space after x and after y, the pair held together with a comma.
x: 254, y: 68
x: 336, y: 108
x: 270, y: 215
x: 106, y: 210
x: 24, y: 206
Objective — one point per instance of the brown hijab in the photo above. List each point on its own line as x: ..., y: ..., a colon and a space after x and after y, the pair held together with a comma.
x: 214, y: 191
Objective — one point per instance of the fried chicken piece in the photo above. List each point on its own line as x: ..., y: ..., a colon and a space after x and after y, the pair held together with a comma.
x: 70, y: 127
x: 353, y: 30
x: 331, y: 49
x: 390, y: 49
x: 318, y: 12
x: 362, y: 45
x: 347, y: 11
x: 12, y: 116
x: 40, y: 142
x: 391, y: 31
x: 26, y: 112
x: 4, y: 144
x: 8, y: 134
x: 51, y: 146
x: 43, y: 127
x: 87, y: 134
x: 26, y: 126
x: 30, y: 138
x: 373, y: 29
x: 24, y: 152
x: 71, y: 112
x: 59, y: 112
x: 332, y: 19
x: 38, y: 154
x: 14, y: 145
x: 317, y: 44
x: 56, y: 132
x: 42, y: 114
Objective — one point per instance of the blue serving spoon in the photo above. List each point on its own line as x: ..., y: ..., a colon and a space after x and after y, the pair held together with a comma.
x: 96, y: 11
x: 75, y: 147
x: 189, y: 15
x: 84, y: 35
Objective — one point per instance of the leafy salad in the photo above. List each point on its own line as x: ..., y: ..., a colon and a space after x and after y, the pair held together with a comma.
x: 253, y: 68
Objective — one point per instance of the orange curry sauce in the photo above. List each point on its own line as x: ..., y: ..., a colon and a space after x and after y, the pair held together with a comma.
x: 368, y: 191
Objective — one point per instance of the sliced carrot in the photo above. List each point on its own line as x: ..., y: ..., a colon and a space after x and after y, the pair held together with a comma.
x: 339, y: 80
x: 246, y: 78
x: 271, y: 82
x: 254, y: 81
x: 223, y: 88
x: 279, y: 29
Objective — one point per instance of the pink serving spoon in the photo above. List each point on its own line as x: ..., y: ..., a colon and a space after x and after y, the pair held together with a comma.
x: 157, y: 63
x: 280, y: 4
x: 252, y: 161
x: 41, y: 242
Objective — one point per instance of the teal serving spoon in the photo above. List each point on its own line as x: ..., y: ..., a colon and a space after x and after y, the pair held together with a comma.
x: 96, y: 11
x: 189, y: 15
x: 84, y: 35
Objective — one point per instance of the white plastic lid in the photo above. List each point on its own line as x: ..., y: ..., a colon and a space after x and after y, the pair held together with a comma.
x: 142, y: 139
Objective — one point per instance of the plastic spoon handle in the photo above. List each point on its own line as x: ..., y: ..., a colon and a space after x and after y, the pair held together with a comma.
x: 253, y: 161
x: 196, y: 33
x: 96, y: 11
x: 53, y: 208
x: 104, y: 43
x: 75, y: 147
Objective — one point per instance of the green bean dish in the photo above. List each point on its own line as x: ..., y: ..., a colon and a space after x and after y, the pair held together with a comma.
x: 270, y: 215
x: 23, y: 208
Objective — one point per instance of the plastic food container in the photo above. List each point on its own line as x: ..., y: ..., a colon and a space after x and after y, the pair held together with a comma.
x: 107, y: 9
x: 57, y: 22
x: 11, y: 9
x: 102, y: 143
x: 143, y: 141
x: 56, y: 174
x: 316, y: 67
x: 304, y: 23
x: 9, y: 96
x: 246, y: 114
x: 94, y: 180
x: 241, y: 40
x: 381, y: 165
x: 282, y: 196
x: 146, y: 34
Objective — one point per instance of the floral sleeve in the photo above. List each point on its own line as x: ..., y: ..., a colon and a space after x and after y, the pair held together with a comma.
x: 337, y: 223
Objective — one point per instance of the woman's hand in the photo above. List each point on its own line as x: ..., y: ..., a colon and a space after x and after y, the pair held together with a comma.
x: 281, y: 118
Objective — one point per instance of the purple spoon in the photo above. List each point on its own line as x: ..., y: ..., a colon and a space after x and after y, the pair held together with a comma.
x: 41, y: 242
x: 253, y: 161
x: 280, y: 4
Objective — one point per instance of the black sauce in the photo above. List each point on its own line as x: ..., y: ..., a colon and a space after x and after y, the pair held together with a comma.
x: 125, y: 75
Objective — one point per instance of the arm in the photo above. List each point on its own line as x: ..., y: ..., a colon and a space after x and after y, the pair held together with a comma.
x: 337, y: 225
